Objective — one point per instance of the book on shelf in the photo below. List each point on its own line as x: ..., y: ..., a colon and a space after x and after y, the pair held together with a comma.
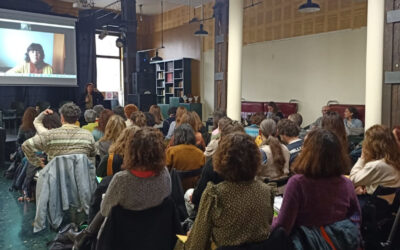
x: 179, y: 84
x: 170, y: 66
x: 169, y: 77
x: 158, y: 67
x: 160, y: 75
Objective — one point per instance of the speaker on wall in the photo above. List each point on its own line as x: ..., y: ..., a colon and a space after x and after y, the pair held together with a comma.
x: 143, y: 83
x: 142, y: 101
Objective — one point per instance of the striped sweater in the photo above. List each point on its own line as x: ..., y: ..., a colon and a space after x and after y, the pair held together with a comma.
x: 68, y: 139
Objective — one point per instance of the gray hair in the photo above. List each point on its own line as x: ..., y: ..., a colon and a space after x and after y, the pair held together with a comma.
x: 296, y: 118
x: 184, y: 134
x: 71, y: 112
x: 268, y: 127
x: 90, y: 115
x: 98, y: 108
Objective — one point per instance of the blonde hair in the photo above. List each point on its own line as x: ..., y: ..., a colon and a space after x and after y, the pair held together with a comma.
x: 156, y: 112
x: 114, y: 127
x: 118, y: 147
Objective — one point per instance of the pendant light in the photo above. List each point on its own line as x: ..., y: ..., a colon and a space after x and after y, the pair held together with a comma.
x: 201, y: 31
x: 309, y: 7
x: 157, y: 57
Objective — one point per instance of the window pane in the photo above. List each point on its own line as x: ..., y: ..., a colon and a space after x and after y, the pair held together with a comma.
x: 108, y: 74
x: 106, y: 47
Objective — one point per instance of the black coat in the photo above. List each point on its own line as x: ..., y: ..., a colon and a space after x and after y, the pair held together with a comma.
x: 97, y: 97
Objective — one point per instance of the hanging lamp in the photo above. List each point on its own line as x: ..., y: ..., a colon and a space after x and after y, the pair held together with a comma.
x: 157, y: 58
x: 309, y: 7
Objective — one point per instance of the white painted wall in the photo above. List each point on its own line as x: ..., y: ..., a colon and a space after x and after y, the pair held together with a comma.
x: 207, y: 83
x: 312, y: 69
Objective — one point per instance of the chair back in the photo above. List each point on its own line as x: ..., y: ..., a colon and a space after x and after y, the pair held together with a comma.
x: 189, y: 178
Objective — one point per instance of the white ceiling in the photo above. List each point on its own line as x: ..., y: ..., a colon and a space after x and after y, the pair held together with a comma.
x: 150, y: 7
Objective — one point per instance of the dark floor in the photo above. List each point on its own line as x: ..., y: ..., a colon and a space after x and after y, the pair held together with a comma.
x: 16, y: 231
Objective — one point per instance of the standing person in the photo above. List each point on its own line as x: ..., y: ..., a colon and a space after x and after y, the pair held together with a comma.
x: 351, y: 122
x: 319, y: 194
x: 33, y: 63
x: 91, y: 97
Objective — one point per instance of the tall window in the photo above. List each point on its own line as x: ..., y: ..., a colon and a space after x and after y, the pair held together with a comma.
x: 109, y: 64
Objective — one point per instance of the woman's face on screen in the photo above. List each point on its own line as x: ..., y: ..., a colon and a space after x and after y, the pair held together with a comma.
x: 34, y: 56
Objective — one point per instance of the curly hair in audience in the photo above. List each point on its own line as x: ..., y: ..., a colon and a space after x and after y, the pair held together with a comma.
x: 114, y: 127
x: 237, y: 157
x: 103, y: 119
x: 118, y: 147
x: 379, y: 142
x: 52, y: 121
x: 156, y: 112
x: 179, y: 112
x: 288, y: 128
x: 138, y: 118
x: 129, y: 109
x: 230, y: 127
x: 145, y: 151
x: 322, y: 156
x: 89, y: 115
x: 268, y: 130
x: 28, y: 118
x: 257, y: 118
x: 333, y: 122
x: 223, y: 122
x: 71, y: 112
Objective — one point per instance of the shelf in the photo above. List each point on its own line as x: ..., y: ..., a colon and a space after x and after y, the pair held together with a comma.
x: 178, y: 87
x: 160, y: 87
x: 160, y: 95
x: 169, y: 93
x: 178, y: 78
x: 179, y: 69
x: 161, y: 79
x: 169, y: 83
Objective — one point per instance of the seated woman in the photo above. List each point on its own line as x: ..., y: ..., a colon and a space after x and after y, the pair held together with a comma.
x: 318, y: 194
x: 333, y: 122
x: 114, y: 127
x: 158, y: 118
x: 273, y: 111
x: 275, y: 156
x: 351, y: 122
x: 190, y: 119
x: 128, y: 110
x: 98, y: 132
x: 112, y: 162
x: 239, y: 209
x: 144, y: 183
x: 213, y: 144
x: 379, y: 164
x: 138, y: 118
x: 27, y: 129
x: 184, y: 155
x: 179, y: 112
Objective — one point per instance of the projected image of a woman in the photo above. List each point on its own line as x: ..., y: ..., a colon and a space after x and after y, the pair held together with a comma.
x: 33, y: 62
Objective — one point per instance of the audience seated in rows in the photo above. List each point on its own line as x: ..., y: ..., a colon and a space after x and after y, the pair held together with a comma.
x: 351, y: 122
x: 114, y: 127
x: 98, y: 131
x: 237, y: 160
x: 288, y: 132
x: 254, y: 127
x: 318, y: 195
x: 189, y: 118
x: 90, y: 119
x: 184, y: 155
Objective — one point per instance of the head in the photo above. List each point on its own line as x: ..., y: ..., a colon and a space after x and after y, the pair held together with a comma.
x: 199, y: 123
x: 27, y: 119
x: 217, y: 115
x: 188, y: 118
x: 237, y: 158
x: 322, y: 156
x: 179, y: 112
x: 114, y: 127
x: 118, y: 147
x: 350, y: 113
x: 172, y: 111
x: 98, y: 109
x: 184, y: 134
x: 223, y: 122
x: 90, y: 115
x: 34, y: 54
x: 287, y: 130
x: 257, y: 118
x: 119, y: 110
x: 156, y: 112
x: 42, y: 106
x: 52, y: 121
x: 138, y: 118
x: 70, y: 113
x: 230, y: 127
x: 267, y: 128
x: 296, y: 118
x: 272, y: 107
x: 103, y: 119
x: 129, y: 109
x: 333, y: 122
x: 89, y: 88
x: 150, y: 120
x: 325, y: 110
x: 380, y: 143
x: 145, y: 150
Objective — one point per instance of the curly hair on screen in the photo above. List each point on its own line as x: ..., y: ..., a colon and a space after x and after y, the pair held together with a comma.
x: 237, y: 157
x: 322, y: 156
x: 145, y: 150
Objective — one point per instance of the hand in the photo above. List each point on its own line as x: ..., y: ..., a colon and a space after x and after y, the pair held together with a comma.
x: 188, y: 232
x: 48, y: 112
x: 360, y: 190
x: 42, y: 160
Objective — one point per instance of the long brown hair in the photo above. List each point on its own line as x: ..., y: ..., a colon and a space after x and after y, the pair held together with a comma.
x: 27, y: 120
x: 118, y: 147
x: 268, y: 130
x: 156, y: 112
x: 103, y: 119
x: 114, y: 127
x: 333, y: 122
x: 322, y: 156
x: 380, y: 143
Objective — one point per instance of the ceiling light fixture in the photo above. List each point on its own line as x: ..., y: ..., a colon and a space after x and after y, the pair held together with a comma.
x: 157, y: 57
x: 309, y: 7
x: 201, y: 31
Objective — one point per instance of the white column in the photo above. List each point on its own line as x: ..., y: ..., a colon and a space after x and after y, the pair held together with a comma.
x: 374, y: 65
x: 235, y: 45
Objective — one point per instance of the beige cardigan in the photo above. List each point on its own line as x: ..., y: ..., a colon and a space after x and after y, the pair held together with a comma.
x: 373, y: 174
